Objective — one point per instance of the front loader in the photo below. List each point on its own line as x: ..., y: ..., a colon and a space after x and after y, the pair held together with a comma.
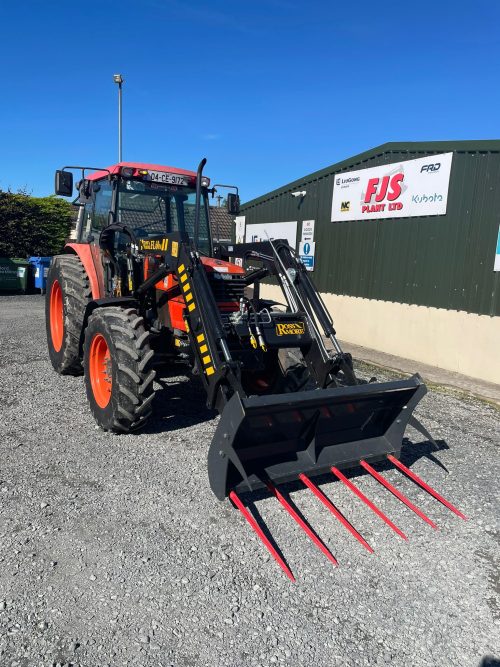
x: 144, y: 284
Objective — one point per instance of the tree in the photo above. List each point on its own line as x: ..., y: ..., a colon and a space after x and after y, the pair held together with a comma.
x: 33, y: 225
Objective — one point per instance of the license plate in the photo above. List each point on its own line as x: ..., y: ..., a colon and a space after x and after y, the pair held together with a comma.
x: 165, y: 177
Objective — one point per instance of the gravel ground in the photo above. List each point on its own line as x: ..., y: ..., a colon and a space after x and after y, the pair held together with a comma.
x: 113, y: 550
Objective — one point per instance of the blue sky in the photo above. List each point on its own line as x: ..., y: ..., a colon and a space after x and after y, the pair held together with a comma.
x: 268, y: 90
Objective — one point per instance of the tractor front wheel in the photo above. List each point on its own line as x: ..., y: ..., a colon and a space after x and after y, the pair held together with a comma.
x: 117, y: 361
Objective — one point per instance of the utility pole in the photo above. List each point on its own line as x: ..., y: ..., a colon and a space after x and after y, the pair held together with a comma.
x: 117, y: 78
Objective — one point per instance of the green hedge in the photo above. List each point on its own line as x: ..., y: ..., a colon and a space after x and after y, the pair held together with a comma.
x: 33, y: 225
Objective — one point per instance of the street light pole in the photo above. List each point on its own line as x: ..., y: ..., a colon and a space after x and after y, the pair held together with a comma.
x: 117, y: 78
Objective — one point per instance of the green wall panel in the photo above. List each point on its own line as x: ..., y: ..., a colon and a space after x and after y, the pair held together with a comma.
x: 441, y: 261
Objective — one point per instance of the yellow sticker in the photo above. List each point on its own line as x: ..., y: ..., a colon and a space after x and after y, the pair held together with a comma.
x: 153, y: 244
x: 203, y: 349
x: 181, y: 268
x: 200, y: 337
x: 184, y: 277
x: 186, y: 287
x: 188, y: 297
x: 191, y: 306
x: 175, y: 249
x: 177, y: 342
x: 209, y: 370
x: 290, y: 328
x: 207, y: 359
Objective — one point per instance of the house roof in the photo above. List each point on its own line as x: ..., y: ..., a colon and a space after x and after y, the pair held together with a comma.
x: 222, y: 223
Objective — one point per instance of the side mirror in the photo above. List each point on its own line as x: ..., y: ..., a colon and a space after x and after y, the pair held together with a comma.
x: 233, y: 203
x: 64, y: 183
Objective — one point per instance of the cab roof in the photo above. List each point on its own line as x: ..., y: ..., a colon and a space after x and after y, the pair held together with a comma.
x: 115, y: 169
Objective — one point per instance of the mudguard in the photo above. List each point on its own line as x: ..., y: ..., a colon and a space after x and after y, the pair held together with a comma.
x: 90, y: 257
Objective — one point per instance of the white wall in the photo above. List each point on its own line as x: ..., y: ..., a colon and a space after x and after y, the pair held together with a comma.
x: 457, y: 341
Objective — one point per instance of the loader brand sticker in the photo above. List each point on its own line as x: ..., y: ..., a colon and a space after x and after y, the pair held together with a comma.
x: 411, y: 188
x: 175, y: 249
x: 153, y: 244
x: 290, y: 328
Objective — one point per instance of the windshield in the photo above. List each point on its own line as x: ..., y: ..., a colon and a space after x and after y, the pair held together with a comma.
x: 151, y: 209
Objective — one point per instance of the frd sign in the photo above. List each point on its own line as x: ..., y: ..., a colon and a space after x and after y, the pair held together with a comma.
x: 404, y: 189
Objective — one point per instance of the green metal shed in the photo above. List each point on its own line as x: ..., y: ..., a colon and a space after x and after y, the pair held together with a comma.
x: 442, y: 261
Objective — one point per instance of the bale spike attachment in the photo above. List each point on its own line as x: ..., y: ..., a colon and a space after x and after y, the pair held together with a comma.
x: 331, y: 507
x: 305, y: 527
x: 400, y: 496
x: 418, y: 480
x: 255, y: 526
x: 367, y: 502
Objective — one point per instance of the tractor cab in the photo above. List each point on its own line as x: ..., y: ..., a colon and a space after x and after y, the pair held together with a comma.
x: 150, y: 200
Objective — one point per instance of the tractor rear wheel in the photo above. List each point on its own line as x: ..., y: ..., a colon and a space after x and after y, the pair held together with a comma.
x: 68, y: 293
x: 117, y: 359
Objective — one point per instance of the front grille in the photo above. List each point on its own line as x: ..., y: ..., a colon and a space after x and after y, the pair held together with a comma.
x: 227, y: 288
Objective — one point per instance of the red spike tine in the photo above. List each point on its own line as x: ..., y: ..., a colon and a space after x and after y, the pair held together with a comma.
x: 425, y: 486
x: 368, y: 502
x: 397, y: 493
x: 260, y: 533
x: 307, y: 529
x: 319, y: 494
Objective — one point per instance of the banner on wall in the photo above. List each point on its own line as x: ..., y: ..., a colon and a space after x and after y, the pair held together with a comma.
x: 275, y: 230
x: 399, y: 190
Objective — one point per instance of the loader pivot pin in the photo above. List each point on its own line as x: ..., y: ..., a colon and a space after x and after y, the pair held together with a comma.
x: 236, y: 500
x: 368, y: 502
x: 425, y: 486
x: 397, y: 493
x: 319, y: 494
x: 307, y: 529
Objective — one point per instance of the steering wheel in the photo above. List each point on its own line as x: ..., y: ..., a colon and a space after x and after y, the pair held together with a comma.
x: 107, y: 234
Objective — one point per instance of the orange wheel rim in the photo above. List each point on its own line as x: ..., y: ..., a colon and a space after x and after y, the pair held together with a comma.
x: 56, y: 315
x: 100, y: 370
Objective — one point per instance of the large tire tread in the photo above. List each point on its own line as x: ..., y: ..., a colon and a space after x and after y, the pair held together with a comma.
x: 75, y: 285
x: 132, y: 375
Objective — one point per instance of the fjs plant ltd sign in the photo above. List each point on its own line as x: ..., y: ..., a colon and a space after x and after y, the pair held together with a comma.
x: 399, y: 190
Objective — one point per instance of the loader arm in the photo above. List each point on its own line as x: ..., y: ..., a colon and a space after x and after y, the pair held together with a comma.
x: 301, y: 295
x: 219, y: 373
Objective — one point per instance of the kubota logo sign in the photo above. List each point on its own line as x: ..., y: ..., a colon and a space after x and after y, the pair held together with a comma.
x: 399, y: 190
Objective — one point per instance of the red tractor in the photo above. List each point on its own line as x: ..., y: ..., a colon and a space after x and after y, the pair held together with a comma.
x: 145, y: 284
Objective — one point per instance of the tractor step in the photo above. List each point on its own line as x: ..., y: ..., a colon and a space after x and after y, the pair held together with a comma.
x: 311, y: 533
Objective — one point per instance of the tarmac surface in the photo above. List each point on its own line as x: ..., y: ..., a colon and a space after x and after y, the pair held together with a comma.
x: 114, y: 551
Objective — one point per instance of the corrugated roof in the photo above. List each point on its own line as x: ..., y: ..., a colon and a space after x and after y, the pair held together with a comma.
x: 411, y: 147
